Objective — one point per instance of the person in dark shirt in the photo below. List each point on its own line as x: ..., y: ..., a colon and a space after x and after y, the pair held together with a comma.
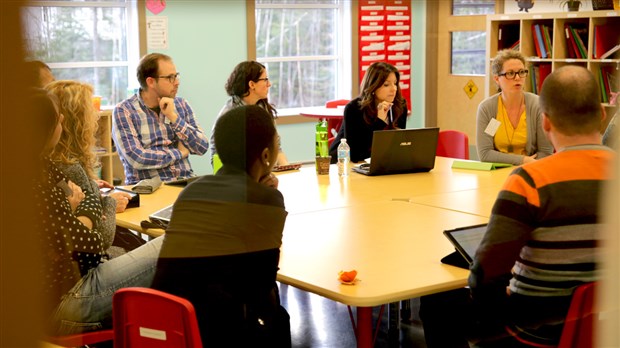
x: 222, y: 246
x: 380, y: 106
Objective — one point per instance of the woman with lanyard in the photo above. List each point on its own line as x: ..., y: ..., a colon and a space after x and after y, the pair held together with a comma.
x: 380, y: 106
x: 509, y: 123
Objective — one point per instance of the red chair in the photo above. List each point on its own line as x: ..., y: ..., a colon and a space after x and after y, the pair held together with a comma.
x: 577, y: 332
x: 335, y: 123
x: 453, y: 144
x: 151, y: 318
x: 83, y: 339
x: 336, y: 103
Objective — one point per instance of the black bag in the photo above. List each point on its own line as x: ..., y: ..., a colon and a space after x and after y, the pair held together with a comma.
x: 126, y: 239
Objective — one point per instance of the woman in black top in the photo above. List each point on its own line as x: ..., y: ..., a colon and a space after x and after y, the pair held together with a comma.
x: 380, y: 106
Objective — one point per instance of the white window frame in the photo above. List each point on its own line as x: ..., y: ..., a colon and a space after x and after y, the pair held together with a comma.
x: 133, y: 40
x: 343, y: 54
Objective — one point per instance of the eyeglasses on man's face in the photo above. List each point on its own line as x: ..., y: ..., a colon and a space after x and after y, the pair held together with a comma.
x: 266, y: 79
x: 172, y: 77
x: 510, y: 75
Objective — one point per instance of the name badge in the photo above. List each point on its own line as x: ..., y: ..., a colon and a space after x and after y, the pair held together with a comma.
x: 492, y: 127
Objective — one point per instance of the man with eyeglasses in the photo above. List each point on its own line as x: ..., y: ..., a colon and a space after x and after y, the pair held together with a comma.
x: 154, y: 130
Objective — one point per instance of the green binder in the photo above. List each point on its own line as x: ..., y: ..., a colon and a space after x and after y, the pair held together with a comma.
x: 475, y: 165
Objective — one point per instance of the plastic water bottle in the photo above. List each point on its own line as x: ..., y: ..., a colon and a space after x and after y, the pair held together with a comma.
x: 344, y: 156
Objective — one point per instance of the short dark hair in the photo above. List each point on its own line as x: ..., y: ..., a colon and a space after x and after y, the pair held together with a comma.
x: 242, y: 134
x: 571, y: 100
x: 374, y: 78
x: 149, y: 67
x: 238, y: 83
x: 43, y: 106
x: 33, y: 72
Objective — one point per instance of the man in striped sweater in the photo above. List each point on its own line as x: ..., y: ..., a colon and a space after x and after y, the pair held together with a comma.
x: 542, y: 238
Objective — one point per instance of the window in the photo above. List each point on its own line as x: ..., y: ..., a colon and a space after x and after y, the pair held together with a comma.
x: 468, y: 47
x: 301, y: 44
x: 91, y: 41
x: 472, y: 7
x: 468, y: 52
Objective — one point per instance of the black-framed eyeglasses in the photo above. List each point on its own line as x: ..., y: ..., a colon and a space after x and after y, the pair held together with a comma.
x: 263, y: 79
x: 172, y: 77
x: 510, y: 75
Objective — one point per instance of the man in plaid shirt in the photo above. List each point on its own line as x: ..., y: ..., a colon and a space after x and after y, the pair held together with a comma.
x: 154, y: 130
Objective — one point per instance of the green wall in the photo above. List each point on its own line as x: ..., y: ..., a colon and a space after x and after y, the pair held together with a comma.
x: 208, y: 38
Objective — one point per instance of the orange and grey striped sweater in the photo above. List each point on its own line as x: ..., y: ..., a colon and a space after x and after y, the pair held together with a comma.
x: 542, y: 237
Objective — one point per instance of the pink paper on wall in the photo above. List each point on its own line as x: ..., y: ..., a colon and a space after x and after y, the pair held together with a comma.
x: 155, y: 6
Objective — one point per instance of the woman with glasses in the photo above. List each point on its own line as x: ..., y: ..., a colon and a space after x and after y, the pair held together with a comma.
x: 509, y: 123
x: 248, y: 84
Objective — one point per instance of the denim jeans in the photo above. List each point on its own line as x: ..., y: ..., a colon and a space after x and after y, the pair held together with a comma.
x: 88, y: 305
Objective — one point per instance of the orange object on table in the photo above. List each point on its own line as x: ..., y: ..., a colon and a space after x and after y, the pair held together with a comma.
x: 347, y: 276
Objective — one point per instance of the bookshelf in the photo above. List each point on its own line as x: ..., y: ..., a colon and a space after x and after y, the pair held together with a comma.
x: 110, y: 163
x: 502, y: 30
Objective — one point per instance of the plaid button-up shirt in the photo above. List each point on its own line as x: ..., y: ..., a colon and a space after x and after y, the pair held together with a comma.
x: 147, y: 141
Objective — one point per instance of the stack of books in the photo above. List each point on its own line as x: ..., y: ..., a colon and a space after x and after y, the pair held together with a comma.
x: 576, y: 40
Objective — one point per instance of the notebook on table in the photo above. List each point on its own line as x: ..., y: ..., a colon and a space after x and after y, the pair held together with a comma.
x: 401, y: 151
x: 466, y: 241
x: 476, y: 165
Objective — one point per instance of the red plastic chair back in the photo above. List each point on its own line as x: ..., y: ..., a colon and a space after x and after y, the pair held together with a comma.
x: 334, y: 124
x: 331, y: 104
x: 330, y: 140
x: 151, y: 318
x: 453, y: 144
x: 83, y: 339
x: 577, y: 332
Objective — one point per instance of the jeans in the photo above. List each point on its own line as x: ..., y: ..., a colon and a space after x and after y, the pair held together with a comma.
x: 88, y: 305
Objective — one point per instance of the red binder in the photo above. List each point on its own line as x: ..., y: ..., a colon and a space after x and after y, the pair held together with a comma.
x: 536, y: 42
x: 603, y: 39
x: 544, y: 69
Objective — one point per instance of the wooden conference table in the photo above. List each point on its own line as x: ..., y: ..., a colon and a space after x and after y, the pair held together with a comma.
x: 388, y: 228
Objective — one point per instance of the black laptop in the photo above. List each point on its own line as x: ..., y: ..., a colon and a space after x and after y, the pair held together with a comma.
x: 401, y: 151
x: 466, y: 241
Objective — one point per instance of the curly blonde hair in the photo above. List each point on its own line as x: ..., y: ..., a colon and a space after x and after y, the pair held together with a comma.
x: 77, y: 141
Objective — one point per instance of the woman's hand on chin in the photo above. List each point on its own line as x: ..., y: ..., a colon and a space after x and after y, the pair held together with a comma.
x: 270, y: 180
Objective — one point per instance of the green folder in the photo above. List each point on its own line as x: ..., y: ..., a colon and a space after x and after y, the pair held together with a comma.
x: 475, y: 165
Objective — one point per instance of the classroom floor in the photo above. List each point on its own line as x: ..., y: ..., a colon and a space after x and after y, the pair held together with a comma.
x: 317, y: 322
